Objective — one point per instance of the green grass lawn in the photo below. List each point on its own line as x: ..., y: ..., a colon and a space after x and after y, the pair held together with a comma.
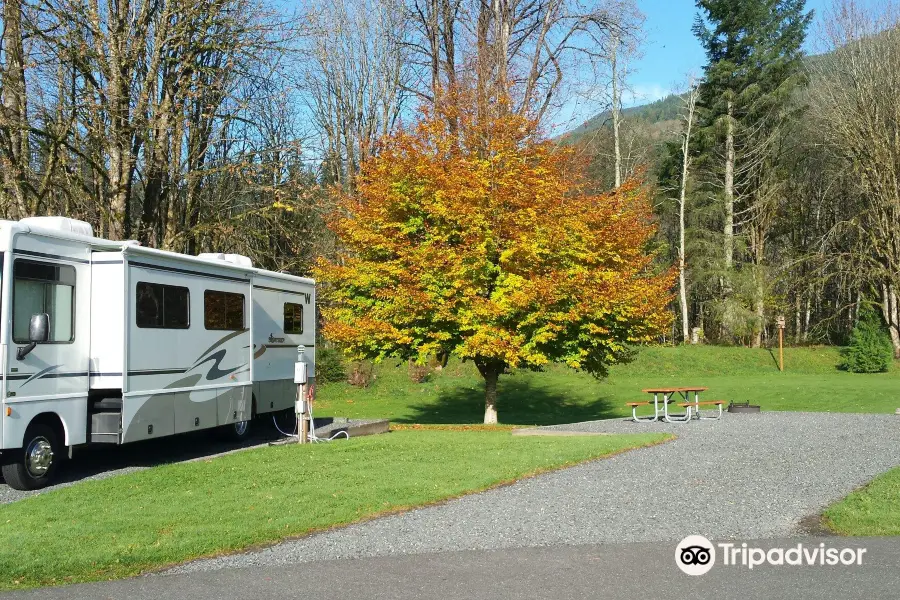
x: 872, y: 510
x: 132, y: 523
x: 810, y: 382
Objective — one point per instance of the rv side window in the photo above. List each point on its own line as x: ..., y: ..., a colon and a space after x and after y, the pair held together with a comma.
x: 161, y: 306
x: 293, y: 318
x: 223, y: 310
x: 43, y: 288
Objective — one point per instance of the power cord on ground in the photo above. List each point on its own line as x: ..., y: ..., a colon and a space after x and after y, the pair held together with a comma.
x: 312, y: 433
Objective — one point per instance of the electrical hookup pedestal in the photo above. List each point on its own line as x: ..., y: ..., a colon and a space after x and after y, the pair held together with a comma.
x: 301, y: 404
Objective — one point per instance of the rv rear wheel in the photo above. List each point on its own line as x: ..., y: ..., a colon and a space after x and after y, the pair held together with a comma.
x: 35, y: 467
x: 235, y: 432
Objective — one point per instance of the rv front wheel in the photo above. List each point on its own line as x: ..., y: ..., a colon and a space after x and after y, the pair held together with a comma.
x: 35, y: 467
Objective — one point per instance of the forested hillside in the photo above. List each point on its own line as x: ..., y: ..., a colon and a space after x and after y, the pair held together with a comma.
x: 664, y: 110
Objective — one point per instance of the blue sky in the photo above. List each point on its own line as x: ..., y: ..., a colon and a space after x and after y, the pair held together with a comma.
x: 670, y: 53
x: 671, y: 50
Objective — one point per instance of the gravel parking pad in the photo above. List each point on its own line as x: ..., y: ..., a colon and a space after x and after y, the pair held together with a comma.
x: 743, y: 477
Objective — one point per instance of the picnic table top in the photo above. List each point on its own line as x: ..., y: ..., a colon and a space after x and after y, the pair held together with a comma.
x: 672, y: 390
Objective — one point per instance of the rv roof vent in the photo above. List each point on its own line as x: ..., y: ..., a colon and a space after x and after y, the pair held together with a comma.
x: 235, y: 259
x: 60, y: 224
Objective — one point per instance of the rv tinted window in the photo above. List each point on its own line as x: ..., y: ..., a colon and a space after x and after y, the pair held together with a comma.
x: 159, y: 306
x: 293, y: 318
x: 43, y: 288
x: 223, y: 310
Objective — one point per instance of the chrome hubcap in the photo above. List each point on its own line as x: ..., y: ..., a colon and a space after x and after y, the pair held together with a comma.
x: 38, y: 457
x: 240, y: 427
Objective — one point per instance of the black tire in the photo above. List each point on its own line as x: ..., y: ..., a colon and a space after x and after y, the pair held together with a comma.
x: 33, y: 468
x: 238, y: 431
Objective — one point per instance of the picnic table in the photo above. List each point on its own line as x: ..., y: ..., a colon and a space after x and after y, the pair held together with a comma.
x: 692, y: 407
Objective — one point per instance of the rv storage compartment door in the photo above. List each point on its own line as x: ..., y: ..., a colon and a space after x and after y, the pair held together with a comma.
x: 195, y: 409
x: 145, y: 417
x: 234, y: 404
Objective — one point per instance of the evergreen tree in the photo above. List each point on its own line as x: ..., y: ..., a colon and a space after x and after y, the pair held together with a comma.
x: 753, y: 50
x: 870, y: 349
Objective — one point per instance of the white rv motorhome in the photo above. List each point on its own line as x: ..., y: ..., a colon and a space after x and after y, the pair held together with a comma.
x: 111, y: 342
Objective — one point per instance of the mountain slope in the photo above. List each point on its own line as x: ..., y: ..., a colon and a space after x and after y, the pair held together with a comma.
x: 659, y: 111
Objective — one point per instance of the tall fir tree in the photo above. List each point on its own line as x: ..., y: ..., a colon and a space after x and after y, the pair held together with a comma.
x: 754, y: 53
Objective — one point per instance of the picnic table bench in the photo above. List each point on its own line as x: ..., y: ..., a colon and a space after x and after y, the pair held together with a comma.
x: 664, y: 396
x: 696, y: 406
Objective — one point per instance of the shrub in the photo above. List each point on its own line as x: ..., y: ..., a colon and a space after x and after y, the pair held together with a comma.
x: 870, y: 349
x: 362, y: 374
x: 330, y: 366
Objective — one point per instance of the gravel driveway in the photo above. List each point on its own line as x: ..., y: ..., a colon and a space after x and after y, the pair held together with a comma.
x: 744, y: 477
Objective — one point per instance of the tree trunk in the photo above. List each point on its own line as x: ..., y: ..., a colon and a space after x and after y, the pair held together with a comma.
x: 806, y: 317
x: 119, y: 194
x: 483, y: 60
x: 433, y: 29
x: 490, y: 370
x: 759, y: 280
x: 616, y: 109
x: 891, y: 312
x: 448, y: 43
x: 121, y: 160
x: 682, y: 199
x: 448, y: 37
x: 760, y: 309
x: 729, y: 190
x: 490, y: 399
x: 501, y: 48
x: 682, y: 284
x: 15, y: 110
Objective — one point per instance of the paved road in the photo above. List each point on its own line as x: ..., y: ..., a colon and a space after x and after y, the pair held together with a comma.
x: 640, y: 570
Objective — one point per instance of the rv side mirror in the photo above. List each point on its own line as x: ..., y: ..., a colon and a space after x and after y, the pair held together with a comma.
x: 38, y: 333
x: 39, y: 328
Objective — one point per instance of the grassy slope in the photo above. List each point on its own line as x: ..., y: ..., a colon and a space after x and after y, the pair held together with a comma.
x: 131, y: 523
x: 811, y: 382
x: 872, y: 510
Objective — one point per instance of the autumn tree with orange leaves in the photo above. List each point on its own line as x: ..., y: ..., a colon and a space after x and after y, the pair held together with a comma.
x: 474, y: 237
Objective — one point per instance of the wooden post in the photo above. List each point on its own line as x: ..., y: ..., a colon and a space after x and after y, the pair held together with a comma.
x: 304, y: 419
x: 303, y: 423
x: 301, y: 408
x: 780, y: 349
x: 780, y: 322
